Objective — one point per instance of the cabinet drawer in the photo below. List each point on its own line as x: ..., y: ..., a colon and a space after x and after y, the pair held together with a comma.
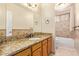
x: 26, y: 52
x: 36, y: 46
x: 45, y: 41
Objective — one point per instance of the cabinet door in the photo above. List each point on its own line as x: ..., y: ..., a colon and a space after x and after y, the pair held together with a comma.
x: 26, y: 52
x: 37, y: 52
x: 45, y: 53
x: 36, y: 46
x: 49, y: 45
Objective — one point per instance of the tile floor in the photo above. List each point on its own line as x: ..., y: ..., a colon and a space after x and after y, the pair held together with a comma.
x: 66, y: 51
x: 65, y: 47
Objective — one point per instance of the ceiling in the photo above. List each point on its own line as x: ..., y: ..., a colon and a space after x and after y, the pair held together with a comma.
x: 32, y: 6
x: 61, y: 6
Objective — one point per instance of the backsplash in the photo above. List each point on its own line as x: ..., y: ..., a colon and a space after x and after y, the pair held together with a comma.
x: 21, y: 33
x: 2, y: 35
x: 2, y: 32
x: 16, y: 34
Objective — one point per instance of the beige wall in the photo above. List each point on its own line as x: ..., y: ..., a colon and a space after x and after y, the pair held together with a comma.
x: 77, y: 24
x: 77, y: 14
x: 22, y: 17
x: 46, y: 12
x: 2, y: 16
x: 37, y: 20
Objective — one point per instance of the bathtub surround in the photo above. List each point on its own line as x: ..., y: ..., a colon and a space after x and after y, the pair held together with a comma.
x: 65, y: 47
x: 66, y: 19
x: 69, y: 42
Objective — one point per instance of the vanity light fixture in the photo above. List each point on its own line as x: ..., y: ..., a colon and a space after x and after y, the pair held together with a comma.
x: 32, y: 5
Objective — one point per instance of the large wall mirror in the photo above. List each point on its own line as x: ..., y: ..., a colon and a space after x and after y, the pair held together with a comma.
x: 2, y: 22
x: 19, y: 20
x: 15, y: 20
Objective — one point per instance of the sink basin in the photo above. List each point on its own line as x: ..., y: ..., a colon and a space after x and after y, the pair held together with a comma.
x: 34, y: 38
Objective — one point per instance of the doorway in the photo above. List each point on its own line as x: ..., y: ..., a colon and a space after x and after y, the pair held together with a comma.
x: 64, y: 28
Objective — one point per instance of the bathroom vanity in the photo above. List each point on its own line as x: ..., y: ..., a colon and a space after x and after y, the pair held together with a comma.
x: 43, y: 46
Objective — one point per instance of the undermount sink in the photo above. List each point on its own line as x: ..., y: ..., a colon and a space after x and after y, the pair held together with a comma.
x: 34, y: 38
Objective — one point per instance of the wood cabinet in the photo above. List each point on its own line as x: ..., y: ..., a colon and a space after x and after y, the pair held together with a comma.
x: 36, y: 46
x: 44, y: 48
x: 26, y: 52
x: 37, y: 52
x: 36, y: 49
x: 50, y: 45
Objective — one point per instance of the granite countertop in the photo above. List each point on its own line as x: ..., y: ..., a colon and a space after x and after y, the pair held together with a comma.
x: 8, y: 48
